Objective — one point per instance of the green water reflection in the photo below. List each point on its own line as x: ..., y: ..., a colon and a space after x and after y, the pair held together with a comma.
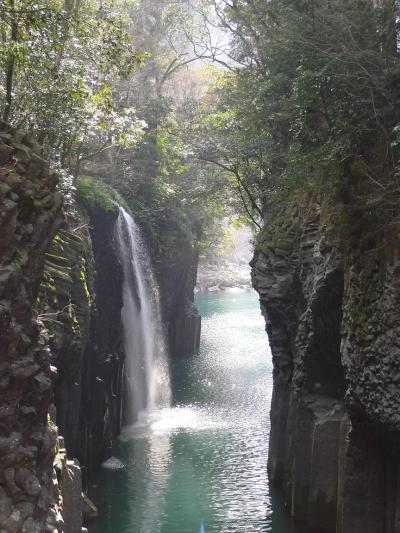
x: 205, y: 458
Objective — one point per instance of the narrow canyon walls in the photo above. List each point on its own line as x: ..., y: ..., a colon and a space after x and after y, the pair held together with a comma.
x: 332, y: 314
x: 176, y: 270
x: 30, y: 213
x: 61, y: 338
x: 85, y: 294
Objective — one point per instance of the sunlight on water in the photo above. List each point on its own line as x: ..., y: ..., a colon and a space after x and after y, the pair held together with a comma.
x: 204, y: 458
x: 172, y: 420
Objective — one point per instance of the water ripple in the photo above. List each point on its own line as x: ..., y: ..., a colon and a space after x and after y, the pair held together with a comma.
x: 205, y: 457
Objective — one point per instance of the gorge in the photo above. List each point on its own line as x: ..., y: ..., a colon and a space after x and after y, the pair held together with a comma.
x: 205, y: 458
x: 153, y: 377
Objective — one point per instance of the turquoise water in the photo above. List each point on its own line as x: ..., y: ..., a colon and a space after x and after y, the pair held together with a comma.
x: 205, y: 458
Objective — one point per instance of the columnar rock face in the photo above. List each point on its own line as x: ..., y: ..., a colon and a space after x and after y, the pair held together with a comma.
x: 80, y: 299
x: 177, y: 273
x: 61, y: 334
x: 82, y: 293
x: 82, y: 287
x: 332, y: 315
x: 102, y: 372
x: 66, y: 305
x: 29, y: 215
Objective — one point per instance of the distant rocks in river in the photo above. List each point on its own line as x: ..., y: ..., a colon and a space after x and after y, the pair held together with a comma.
x: 231, y: 271
x: 223, y: 275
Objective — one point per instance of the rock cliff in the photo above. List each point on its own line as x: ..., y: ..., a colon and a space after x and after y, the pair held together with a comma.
x: 176, y: 269
x: 61, y: 337
x: 80, y: 300
x: 103, y: 370
x: 30, y: 210
x: 331, y: 308
x: 81, y: 294
x: 66, y: 306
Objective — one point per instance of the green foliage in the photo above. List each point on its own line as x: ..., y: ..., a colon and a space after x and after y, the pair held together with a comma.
x: 58, y: 63
x: 168, y: 190
x: 110, y: 89
x: 308, y: 104
x: 64, y: 300
x: 92, y: 193
x: 318, y: 95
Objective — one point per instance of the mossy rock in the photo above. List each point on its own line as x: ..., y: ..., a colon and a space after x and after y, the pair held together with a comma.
x: 93, y: 193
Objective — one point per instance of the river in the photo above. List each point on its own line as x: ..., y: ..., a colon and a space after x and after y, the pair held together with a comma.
x: 205, y: 457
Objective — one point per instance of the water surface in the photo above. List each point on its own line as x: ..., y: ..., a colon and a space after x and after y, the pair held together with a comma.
x: 205, y: 458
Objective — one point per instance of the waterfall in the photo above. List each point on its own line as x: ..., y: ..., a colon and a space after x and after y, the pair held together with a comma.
x: 146, y: 364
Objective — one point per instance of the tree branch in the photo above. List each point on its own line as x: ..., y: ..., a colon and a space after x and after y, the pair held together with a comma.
x: 241, y: 182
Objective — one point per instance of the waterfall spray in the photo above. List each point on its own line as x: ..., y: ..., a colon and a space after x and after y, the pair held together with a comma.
x: 146, y: 363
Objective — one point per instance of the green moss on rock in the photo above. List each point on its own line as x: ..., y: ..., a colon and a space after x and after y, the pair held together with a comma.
x: 280, y: 230
x: 365, y: 290
x: 92, y: 193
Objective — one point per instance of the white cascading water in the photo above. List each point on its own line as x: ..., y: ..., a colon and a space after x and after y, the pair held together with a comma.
x: 146, y: 363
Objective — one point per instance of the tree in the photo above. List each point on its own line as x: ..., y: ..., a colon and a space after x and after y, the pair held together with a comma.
x: 316, y: 102
x: 59, y: 59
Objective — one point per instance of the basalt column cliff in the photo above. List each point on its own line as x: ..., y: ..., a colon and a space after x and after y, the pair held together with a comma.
x: 331, y: 306
x: 29, y: 216
x: 61, y: 343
